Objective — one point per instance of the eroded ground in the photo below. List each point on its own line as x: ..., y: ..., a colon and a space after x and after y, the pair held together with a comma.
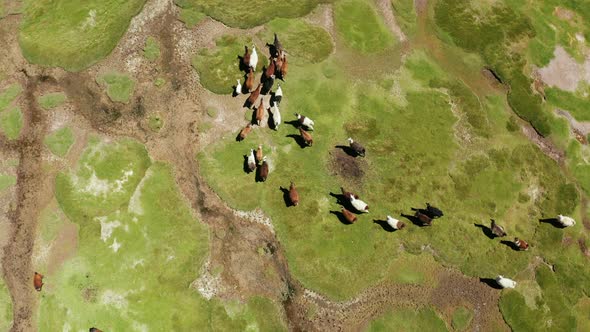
x: 122, y: 182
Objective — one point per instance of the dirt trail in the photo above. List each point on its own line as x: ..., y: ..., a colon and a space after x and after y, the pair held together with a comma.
x: 386, y: 10
x: 32, y: 193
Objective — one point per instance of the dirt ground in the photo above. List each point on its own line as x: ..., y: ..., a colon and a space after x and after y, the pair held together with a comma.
x: 236, y: 241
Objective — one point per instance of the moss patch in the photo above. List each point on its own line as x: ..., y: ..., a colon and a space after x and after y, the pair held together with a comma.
x: 119, y: 86
x: 52, y: 100
x: 151, y: 50
x: 6, y: 181
x: 11, y: 122
x: 60, y: 141
x: 461, y: 318
x: 425, y: 319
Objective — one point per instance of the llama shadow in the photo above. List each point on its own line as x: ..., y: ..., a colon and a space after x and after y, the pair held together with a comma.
x: 258, y: 176
x: 341, y: 217
x: 510, y: 244
x: 490, y: 282
x: 238, y: 138
x: 348, y: 150
x: 247, y: 103
x: 299, y: 140
x: 253, y: 118
x: 294, y: 123
x: 414, y: 220
x: 272, y: 50
x: 384, y: 225
x: 271, y: 120
x: 486, y: 231
x: 286, y: 197
x: 552, y: 221
x: 341, y: 200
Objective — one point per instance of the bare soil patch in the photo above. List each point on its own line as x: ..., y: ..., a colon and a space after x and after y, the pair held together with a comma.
x: 345, y: 165
x: 564, y: 72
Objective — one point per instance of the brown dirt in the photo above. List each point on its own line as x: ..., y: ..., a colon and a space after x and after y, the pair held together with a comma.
x: 345, y: 165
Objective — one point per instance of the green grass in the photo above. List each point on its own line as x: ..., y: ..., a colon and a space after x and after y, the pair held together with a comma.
x: 52, y: 100
x: 119, y: 86
x: 151, y: 50
x: 576, y: 105
x: 303, y: 41
x: 60, y: 141
x: 160, y: 81
x: 155, y: 123
x: 8, y: 95
x: 219, y: 68
x: 190, y: 16
x: 11, y: 122
x: 405, y: 15
x: 6, y: 181
x: 361, y: 27
x: 424, y: 319
x: 71, y: 35
x: 461, y: 318
x: 254, y: 13
x: 162, y: 248
x: 5, y: 307
x: 406, y: 165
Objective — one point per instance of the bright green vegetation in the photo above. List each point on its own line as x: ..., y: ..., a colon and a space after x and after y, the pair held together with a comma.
x: 425, y: 319
x: 159, y: 81
x: 212, y: 112
x: 155, y: 123
x: 492, y: 33
x: 151, y: 50
x: 8, y: 95
x: 302, y: 40
x: 490, y: 177
x: 60, y: 141
x: 250, y: 14
x: 119, y: 86
x: 6, y: 181
x: 190, y: 16
x: 405, y: 15
x: 361, y: 27
x: 71, y: 35
x: 52, y: 100
x: 219, y: 68
x: 11, y: 122
x: 578, y: 106
x: 5, y: 307
x: 137, y: 240
x: 461, y: 318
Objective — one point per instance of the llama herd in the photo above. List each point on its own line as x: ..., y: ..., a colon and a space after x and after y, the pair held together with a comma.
x: 352, y: 205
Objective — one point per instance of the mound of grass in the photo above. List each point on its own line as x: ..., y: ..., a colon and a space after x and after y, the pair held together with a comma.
x: 8, y: 95
x: 156, y: 123
x: 151, y: 50
x: 11, y: 122
x: 302, y: 40
x: 251, y: 14
x: 5, y: 306
x: 119, y: 86
x: 219, y: 68
x: 60, y: 141
x: 105, y: 180
x: 6, y: 181
x: 425, y: 319
x: 73, y: 35
x: 52, y: 100
x: 361, y: 27
x: 461, y: 318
